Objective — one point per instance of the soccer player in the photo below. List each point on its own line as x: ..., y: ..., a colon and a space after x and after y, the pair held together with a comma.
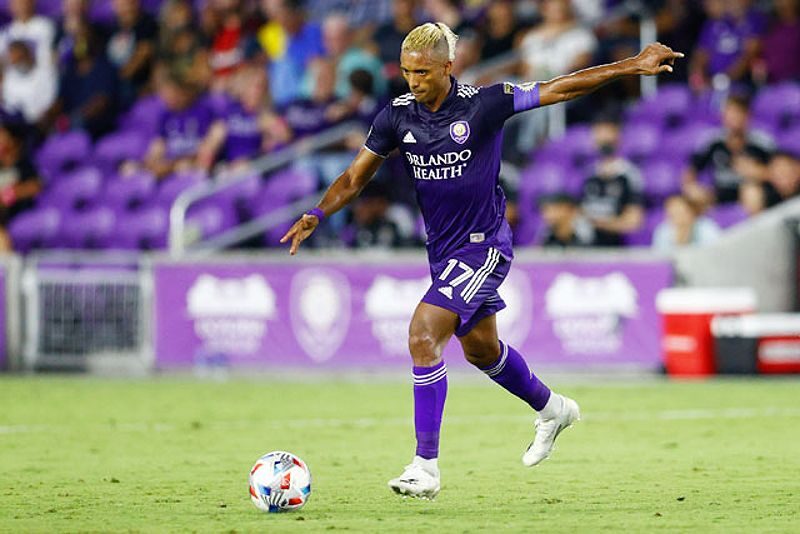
x: 449, y: 135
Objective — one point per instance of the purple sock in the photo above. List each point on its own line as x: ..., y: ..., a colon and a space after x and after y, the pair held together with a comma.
x: 511, y: 371
x: 430, y: 391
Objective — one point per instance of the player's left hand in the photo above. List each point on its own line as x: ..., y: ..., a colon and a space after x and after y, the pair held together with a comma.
x: 300, y: 231
x: 656, y: 58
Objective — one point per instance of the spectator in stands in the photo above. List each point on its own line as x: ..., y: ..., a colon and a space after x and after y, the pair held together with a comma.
x: 736, y: 153
x: 307, y: 116
x: 362, y: 16
x: 229, y: 41
x: 132, y: 47
x: 27, y: 26
x: 19, y: 181
x: 560, y: 44
x: 781, y: 44
x: 499, y: 29
x: 566, y: 227
x: 290, y: 44
x: 375, y: 222
x: 678, y: 24
x: 182, y: 127
x: 752, y: 197
x: 88, y: 89
x: 449, y: 12
x: 783, y: 178
x: 28, y: 87
x: 728, y: 46
x: 247, y: 128
x: 75, y: 14
x: 612, y: 195
x: 362, y: 104
x: 180, y: 45
x: 339, y: 49
x: 683, y: 226
x: 389, y: 36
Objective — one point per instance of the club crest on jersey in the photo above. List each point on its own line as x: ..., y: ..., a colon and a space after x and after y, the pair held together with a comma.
x: 459, y: 132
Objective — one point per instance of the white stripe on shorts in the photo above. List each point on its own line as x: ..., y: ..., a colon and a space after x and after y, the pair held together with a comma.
x: 475, y: 278
x: 484, y: 275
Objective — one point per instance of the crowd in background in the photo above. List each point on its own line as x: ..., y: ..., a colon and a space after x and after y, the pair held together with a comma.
x: 238, y: 79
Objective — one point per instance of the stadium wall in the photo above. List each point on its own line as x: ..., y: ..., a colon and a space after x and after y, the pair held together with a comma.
x: 759, y: 254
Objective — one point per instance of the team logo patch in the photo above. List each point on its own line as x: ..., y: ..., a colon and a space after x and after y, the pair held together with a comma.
x: 459, y: 132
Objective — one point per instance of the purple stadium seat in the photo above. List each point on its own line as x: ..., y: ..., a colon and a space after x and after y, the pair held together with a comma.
x: 547, y: 177
x: 240, y: 194
x: 668, y: 107
x: 529, y: 227
x: 117, y: 147
x: 727, y: 215
x: 90, y: 229
x: 212, y: 216
x: 639, y: 141
x: 75, y: 191
x: 144, y: 229
x: 662, y: 178
x: 174, y: 185
x: 102, y: 12
x: 679, y: 144
x: 143, y: 116
x: 575, y: 147
x: 644, y: 236
x: 63, y: 152
x: 778, y: 105
x: 281, y: 189
x: 127, y: 193
x: 790, y: 141
x: 35, y: 229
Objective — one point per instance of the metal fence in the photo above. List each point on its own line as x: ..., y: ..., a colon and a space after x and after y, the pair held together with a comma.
x: 93, y: 315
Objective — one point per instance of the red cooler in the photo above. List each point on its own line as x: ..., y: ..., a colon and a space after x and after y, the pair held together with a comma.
x: 687, y: 341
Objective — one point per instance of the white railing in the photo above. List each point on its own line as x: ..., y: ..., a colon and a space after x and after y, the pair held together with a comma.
x: 223, y: 181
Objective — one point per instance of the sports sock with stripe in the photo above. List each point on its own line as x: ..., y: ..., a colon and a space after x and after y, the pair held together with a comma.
x: 511, y: 371
x: 430, y: 392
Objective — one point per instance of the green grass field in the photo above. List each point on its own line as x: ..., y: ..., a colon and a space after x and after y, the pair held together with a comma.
x: 88, y: 454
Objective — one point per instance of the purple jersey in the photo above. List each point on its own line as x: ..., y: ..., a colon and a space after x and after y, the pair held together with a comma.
x: 453, y: 155
x: 184, y: 130
x: 244, y: 133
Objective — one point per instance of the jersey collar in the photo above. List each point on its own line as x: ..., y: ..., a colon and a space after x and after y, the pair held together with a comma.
x: 448, y: 101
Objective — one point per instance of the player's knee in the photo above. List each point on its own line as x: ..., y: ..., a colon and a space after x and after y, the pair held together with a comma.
x: 423, y: 348
x: 482, y: 354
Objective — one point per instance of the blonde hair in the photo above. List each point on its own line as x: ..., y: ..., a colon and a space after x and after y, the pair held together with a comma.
x: 435, y: 36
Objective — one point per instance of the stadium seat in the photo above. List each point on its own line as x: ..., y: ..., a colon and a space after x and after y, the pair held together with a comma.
x: 549, y: 177
x: 144, y: 229
x: 129, y: 192
x: 644, y: 236
x: 75, y: 191
x: 669, y: 107
x: 35, y: 229
x: 212, y: 217
x: 575, y: 147
x: 639, y: 141
x: 89, y: 229
x: 679, y: 144
x: 778, y: 105
x: 790, y: 141
x: 144, y: 116
x: 662, y: 178
x: 172, y: 186
x: 63, y: 152
x: 117, y: 147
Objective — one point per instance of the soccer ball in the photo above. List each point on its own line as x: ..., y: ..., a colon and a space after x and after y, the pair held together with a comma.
x: 279, y: 482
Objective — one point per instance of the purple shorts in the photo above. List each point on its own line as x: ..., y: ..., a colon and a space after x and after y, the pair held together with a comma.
x: 467, y: 283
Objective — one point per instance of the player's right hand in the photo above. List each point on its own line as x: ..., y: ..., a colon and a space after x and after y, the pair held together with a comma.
x: 300, y: 231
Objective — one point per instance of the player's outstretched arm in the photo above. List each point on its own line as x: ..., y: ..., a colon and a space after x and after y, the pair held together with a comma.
x: 654, y: 59
x: 346, y: 187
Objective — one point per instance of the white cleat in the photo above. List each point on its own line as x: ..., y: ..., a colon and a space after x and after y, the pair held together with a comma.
x: 548, y: 429
x: 417, y: 481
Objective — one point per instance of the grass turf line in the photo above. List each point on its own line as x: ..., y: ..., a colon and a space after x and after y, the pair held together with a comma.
x: 87, y: 454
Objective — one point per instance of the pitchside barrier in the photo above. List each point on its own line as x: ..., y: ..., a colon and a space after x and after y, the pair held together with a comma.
x: 351, y: 310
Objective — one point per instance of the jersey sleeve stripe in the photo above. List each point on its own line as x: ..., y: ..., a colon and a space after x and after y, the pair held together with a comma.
x: 379, y: 155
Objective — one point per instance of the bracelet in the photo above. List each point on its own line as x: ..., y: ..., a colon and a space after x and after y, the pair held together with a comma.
x: 318, y: 213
